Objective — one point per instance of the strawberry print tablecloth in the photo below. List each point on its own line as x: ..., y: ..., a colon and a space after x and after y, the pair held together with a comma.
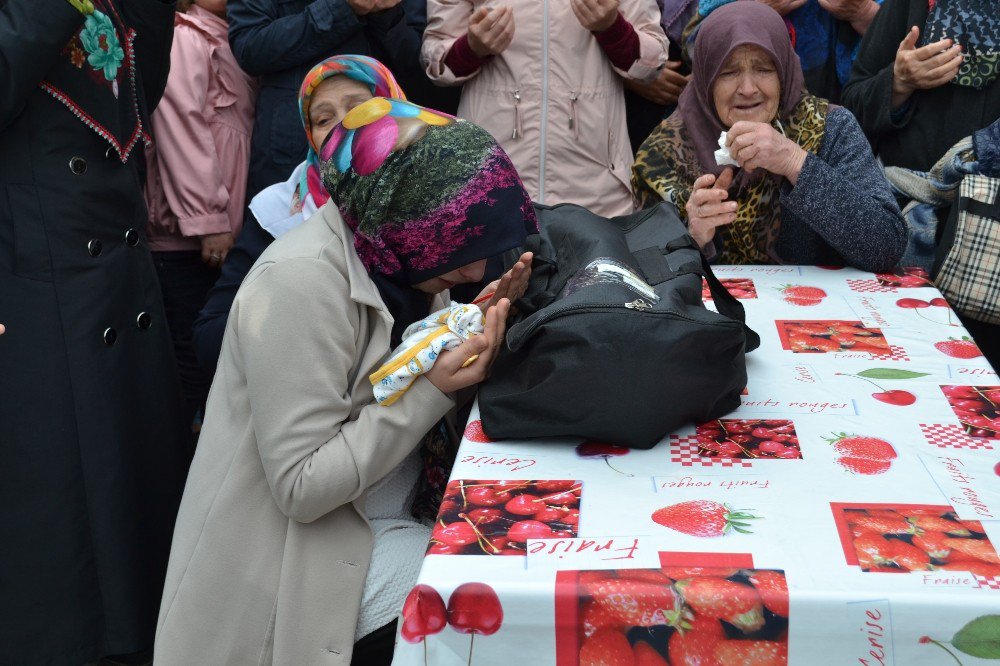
x: 847, y: 513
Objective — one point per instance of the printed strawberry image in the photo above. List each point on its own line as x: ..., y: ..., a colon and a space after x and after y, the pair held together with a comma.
x: 703, y: 518
x: 474, y: 432
x: 752, y: 653
x: 863, y: 455
x: 773, y: 590
x: 723, y: 599
x: 896, y: 397
x: 593, y: 449
x: 696, y: 644
x: 979, y: 638
x: 638, y: 603
x: 955, y: 348
x: 741, y: 288
x: 607, y: 647
x: 907, y: 538
x: 977, y: 409
x: 646, y: 655
x: 824, y: 336
x: 802, y: 295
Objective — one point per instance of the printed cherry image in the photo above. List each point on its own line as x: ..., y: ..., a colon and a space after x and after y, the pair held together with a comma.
x: 474, y: 608
x: 685, y: 616
x: 474, y: 432
x: 861, y: 454
x: 977, y: 409
x: 959, y: 348
x: 748, y: 438
x: 897, y: 397
x: 798, y: 294
x: 703, y: 518
x: 424, y: 614
x: 978, y: 638
x: 592, y: 449
x: 823, y: 336
x: 742, y: 288
x: 918, y: 304
x: 491, y: 517
x: 909, y: 277
x: 888, y: 538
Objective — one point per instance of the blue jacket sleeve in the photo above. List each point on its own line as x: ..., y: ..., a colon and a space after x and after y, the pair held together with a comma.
x: 210, y: 327
x: 842, y: 194
x: 264, y: 42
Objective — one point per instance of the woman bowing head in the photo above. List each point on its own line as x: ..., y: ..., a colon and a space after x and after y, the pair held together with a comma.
x: 295, y: 539
x: 801, y: 184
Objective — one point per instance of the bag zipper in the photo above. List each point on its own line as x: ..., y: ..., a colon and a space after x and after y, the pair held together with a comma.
x: 573, y: 121
x: 519, y: 333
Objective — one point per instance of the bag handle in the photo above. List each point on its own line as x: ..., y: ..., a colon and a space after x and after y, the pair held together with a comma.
x: 653, y: 264
x: 981, y: 208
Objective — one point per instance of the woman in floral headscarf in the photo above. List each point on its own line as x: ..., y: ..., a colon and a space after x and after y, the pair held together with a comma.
x: 330, y: 89
x: 294, y: 540
x: 806, y: 188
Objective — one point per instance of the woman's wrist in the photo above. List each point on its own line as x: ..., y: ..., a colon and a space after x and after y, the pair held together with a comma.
x: 796, y: 161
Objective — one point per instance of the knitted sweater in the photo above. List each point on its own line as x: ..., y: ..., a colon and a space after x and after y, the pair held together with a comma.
x: 841, y: 209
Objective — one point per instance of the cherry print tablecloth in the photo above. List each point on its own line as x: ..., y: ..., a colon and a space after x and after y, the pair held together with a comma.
x: 846, y: 513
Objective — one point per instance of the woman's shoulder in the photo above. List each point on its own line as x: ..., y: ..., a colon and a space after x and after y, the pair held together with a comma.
x: 841, y: 126
x: 313, y: 250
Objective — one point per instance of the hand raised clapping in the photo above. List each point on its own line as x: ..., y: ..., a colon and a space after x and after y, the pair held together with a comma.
x: 595, y: 15
x: 928, y: 67
x: 491, y: 30
x: 707, y: 207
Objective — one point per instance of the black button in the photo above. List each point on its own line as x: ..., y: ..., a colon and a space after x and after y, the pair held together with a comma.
x: 132, y: 237
x: 143, y: 321
x: 110, y: 335
x: 110, y: 153
x: 94, y: 247
x: 78, y: 165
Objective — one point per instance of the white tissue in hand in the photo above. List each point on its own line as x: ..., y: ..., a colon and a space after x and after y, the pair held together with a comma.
x: 722, y: 156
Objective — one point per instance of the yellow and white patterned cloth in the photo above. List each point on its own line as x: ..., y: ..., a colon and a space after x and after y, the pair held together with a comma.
x: 423, y: 341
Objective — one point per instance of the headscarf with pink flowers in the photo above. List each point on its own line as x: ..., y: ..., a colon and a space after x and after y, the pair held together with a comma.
x: 424, y: 193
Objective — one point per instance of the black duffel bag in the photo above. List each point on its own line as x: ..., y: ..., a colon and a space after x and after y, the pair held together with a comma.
x: 612, y: 341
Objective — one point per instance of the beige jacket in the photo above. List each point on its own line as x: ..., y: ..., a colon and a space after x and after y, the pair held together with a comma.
x: 271, y: 547
x: 552, y: 98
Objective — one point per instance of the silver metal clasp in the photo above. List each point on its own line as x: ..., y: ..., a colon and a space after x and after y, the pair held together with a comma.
x: 638, y: 304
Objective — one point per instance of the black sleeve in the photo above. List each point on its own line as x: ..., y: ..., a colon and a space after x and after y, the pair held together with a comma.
x: 210, y: 326
x: 868, y: 94
x: 264, y: 43
x: 396, y: 42
x: 32, y: 36
x: 153, y: 22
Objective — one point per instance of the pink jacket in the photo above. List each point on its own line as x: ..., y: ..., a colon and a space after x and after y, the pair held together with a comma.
x: 197, y: 167
x: 552, y: 99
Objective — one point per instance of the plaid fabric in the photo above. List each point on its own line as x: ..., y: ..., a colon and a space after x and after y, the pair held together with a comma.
x: 970, y: 274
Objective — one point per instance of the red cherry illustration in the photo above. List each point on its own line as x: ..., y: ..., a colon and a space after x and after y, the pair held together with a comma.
x: 593, y: 449
x: 912, y: 303
x: 424, y: 614
x: 896, y: 397
x: 455, y: 534
x: 524, y: 505
x: 996, y: 469
x: 474, y: 608
x: 939, y: 303
x: 523, y: 530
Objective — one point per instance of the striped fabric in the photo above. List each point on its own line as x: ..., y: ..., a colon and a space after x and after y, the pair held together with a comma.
x: 970, y: 274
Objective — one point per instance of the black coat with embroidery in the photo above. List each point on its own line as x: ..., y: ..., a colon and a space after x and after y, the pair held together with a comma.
x: 93, y: 452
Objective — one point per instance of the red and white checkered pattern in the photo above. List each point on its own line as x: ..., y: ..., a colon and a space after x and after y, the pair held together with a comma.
x: 950, y: 436
x: 988, y: 582
x: 870, y: 286
x: 896, y: 353
x: 684, y: 450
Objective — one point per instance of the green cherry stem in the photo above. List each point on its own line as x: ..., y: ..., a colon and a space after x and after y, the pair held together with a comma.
x: 607, y: 461
x: 950, y: 653
x: 847, y: 374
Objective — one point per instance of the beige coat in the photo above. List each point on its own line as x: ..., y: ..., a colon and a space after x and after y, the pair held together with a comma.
x: 271, y: 546
x: 555, y: 86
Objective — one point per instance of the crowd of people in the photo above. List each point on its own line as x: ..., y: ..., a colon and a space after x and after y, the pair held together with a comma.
x: 218, y: 218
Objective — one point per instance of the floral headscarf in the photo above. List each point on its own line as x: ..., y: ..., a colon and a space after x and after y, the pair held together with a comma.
x: 424, y: 193
x: 360, y: 68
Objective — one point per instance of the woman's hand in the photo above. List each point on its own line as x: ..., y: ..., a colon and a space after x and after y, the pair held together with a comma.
x: 215, y: 247
x: 595, y: 15
x: 511, y: 284
x: 707, y: 207
x: 491, y: 30
x: 928, y: 67
x: 470, y: 362
x: 665, y: 88
x: 760, y: 146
